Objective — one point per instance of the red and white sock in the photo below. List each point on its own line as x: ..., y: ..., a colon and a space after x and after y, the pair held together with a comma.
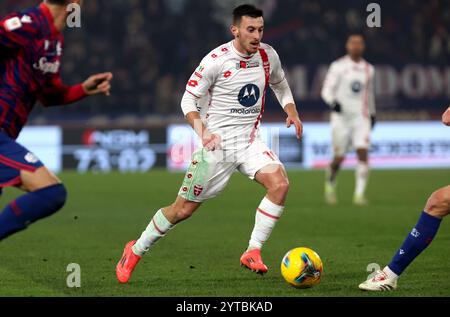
x: 266, y: 217
x: 156, y: 229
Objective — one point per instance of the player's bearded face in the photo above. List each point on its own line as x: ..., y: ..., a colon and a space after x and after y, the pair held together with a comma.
x: 249, y: 33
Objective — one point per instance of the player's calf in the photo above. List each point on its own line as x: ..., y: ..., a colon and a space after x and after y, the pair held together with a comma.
x: 438, y: 204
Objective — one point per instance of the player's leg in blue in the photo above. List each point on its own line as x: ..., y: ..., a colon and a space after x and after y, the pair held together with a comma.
x: 438, y: 206
x: 45, y: 193
x: 421, y: 236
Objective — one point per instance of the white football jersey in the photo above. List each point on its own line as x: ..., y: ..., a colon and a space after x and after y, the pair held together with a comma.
x: 351, y: 85
x: 231, y: 87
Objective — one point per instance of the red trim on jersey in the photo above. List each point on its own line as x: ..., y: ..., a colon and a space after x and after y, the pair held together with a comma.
x: 267, y: 214
x: 16, y: 165
x: 46, y: 11
x: 193, y: 94
x: 266, y: 65
x: 366, y: 92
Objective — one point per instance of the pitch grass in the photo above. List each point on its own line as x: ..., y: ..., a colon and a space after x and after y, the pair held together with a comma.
x: 201, y: 256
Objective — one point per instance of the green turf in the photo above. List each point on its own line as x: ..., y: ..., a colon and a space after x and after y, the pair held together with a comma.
x: 201, y: 257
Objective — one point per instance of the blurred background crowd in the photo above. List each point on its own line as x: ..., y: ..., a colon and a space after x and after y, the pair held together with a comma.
x: 152, y: 47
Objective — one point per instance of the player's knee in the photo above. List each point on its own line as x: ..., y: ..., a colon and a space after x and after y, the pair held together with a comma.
x: 184, y: 213
x: 438, y: 204
x: 54, y: 195
x: 337, y: 161
x: 280, y: 188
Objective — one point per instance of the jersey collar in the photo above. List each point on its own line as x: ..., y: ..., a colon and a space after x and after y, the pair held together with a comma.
x: 46, y: 12
x: 245, y: 56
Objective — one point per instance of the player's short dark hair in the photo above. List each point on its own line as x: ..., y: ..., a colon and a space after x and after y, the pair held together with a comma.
x: 57, y: 2
x: 361, y: 35
x: 246, y: 10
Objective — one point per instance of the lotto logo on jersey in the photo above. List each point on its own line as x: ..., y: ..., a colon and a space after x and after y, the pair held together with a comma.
x: 249, y: 95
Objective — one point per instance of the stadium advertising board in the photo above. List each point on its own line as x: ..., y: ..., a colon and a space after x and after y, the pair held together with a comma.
x: 398, y: 145
x: 106, y: 150
x: 45, y: 143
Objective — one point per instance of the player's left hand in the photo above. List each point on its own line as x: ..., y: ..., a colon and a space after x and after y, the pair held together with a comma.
x: 295, y: 120
x: 98, y: 84
x: 446, y: 117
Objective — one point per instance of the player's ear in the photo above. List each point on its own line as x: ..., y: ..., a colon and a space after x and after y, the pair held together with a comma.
x: 234, y: 30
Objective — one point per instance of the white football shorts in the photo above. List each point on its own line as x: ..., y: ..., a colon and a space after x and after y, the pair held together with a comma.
x: 349, y: 132
x: 209, y: 172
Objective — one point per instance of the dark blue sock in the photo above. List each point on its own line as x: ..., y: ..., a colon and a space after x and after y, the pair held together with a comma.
x: 417, y: 241
x: 31, y: 207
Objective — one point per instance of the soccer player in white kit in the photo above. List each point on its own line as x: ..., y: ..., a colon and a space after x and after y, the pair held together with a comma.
x: 349, y: 91
x: 224, y: 103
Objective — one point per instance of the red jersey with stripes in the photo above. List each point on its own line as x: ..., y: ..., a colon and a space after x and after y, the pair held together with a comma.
x: 30, y: 58
x: 231, y: 88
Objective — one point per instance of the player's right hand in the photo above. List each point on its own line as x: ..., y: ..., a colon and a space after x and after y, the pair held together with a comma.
x: 98, y: 84
x: 446, y: 117
x: 211, y: 142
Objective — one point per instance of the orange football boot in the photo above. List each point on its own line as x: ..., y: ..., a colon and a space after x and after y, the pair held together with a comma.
x: 127, y: 263
x: 252, y: 260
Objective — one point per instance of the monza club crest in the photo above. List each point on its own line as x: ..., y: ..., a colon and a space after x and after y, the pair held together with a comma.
x: 198, y: 189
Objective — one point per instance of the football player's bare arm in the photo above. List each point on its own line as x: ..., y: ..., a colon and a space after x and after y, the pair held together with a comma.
x: 446, y: 117
x: 209, y: 140
x: 294, y: 119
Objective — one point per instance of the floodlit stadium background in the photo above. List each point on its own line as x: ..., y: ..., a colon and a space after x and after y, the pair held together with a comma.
x: 153, y: 46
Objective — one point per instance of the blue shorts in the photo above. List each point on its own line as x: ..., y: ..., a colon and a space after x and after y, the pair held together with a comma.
x: 13, y: 159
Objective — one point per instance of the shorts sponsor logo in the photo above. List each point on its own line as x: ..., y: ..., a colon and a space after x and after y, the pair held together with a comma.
x: 198, y: 189
x: 31, y: 158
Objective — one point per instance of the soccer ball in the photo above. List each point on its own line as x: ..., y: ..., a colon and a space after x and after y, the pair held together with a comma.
x: 302, y: 268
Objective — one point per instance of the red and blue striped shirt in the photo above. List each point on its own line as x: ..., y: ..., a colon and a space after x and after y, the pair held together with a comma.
x: 30, y: 59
